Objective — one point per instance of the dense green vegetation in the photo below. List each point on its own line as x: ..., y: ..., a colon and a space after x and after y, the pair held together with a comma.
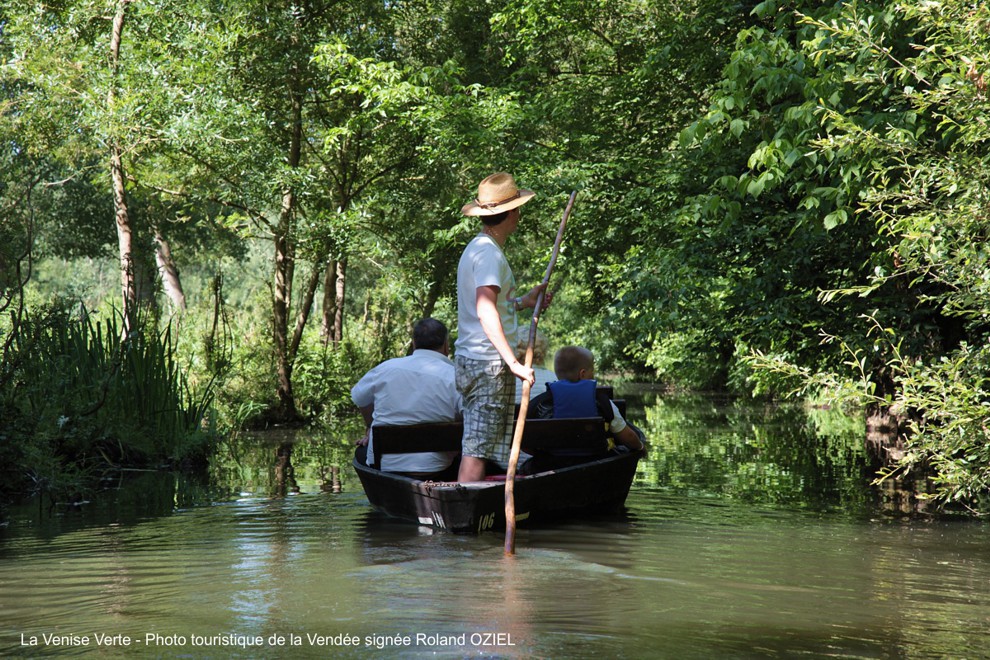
x: 777, y: 197
x: 79, y: 397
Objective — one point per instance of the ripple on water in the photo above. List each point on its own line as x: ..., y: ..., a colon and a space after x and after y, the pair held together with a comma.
x: 676, y: 576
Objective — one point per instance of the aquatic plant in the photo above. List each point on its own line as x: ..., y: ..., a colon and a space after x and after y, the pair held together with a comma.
x: 80, y: 397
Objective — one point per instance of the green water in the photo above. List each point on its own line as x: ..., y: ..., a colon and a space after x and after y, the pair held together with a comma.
x: 750, y: 532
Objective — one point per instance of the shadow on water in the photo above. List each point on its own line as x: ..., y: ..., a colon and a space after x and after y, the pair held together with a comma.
x: 271, y: 464
x: 128, y: 498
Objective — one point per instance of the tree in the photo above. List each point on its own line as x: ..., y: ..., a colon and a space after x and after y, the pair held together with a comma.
x: 605, y: 88
x: 125, y: 240
x: 94, y: 81
x: 314, y: 119
x: 846, y: 204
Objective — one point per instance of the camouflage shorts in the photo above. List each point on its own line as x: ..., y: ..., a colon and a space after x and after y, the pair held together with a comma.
x: 489, y: 392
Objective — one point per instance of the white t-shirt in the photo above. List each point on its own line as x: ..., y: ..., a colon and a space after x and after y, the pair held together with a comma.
x: 411, y: 390
x: 483, y: 264
x: 617, y: 423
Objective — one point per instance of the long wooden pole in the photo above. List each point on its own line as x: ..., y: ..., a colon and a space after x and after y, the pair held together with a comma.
x: 510, y: 476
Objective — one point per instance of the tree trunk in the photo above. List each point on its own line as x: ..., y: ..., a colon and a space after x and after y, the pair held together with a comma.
x: 884, y: 440
x: 329, y: 301
x: 280, y: 314
x: 434, y: 292
x: 338, y: 312
x: 430, y: 304
x: 168, y: 272
x: 15, y: 273
x: 304, y: 309
x: 442, y: 272
x: 218, y: 350
x: 125, y: 238
x: 285, y: 473
x: 885, y: 425
x: 334, y: 291
x: 284, y: 262
x: 146, y: 287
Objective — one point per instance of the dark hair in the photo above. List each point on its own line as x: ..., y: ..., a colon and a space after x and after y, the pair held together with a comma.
x: 496, y: 219
x: 429, y: 334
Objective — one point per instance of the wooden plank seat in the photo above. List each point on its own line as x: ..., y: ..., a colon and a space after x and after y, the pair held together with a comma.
x: 585, y: 433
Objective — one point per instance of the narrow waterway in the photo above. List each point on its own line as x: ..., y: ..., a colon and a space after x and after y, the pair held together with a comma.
x: 750, y: 532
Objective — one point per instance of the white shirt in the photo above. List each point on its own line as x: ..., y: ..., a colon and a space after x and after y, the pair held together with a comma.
x: 617, y: 423
x: 483, y: 264
x: 411, y: 390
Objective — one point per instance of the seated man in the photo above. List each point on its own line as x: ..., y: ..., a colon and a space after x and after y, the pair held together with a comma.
x: 411, y: 390
x: 575, y: 394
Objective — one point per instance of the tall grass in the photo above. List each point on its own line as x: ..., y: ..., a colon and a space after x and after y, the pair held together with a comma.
x: 78, y: 397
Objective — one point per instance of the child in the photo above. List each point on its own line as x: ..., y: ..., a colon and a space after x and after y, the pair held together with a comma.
x: 575, y: 394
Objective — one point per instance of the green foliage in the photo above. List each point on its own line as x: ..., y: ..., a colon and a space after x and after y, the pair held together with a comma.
x: 324, y: 377
x: 78, y: 399
x: 846, y: 161
x: 605, y: 88
x: 952, y: 434
x: 853, y: 148
x: 778, y: 196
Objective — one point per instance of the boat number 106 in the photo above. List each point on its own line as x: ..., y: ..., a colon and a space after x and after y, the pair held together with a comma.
x: 486, y: 522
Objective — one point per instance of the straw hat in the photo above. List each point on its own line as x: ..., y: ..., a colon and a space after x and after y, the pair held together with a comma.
x: 497, y: 193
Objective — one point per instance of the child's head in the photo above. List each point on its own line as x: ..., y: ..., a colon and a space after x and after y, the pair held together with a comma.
x: 574, y: 363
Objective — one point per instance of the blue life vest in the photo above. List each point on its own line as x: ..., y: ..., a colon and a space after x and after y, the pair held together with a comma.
x: 574, y: 399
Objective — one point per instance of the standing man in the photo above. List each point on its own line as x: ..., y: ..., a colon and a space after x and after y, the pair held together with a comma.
x: 410, y: 390
x: 487, y: 328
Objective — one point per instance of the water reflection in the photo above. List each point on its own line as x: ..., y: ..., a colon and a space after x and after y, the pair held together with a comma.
x: 726, y: 448
x: 285, y: 474
x: 281, y: 462
x: 749, y: 533
x: 451, y: 595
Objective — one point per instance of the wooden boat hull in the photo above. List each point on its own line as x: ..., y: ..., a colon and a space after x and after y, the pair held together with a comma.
x: 599, y: 486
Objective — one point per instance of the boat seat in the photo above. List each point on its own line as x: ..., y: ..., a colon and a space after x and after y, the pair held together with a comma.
x: 579, y: 433
x: 407, y: 439
x: 584, y: 433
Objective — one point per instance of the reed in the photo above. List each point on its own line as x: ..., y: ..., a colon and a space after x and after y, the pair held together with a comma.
x: 79, y: 397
